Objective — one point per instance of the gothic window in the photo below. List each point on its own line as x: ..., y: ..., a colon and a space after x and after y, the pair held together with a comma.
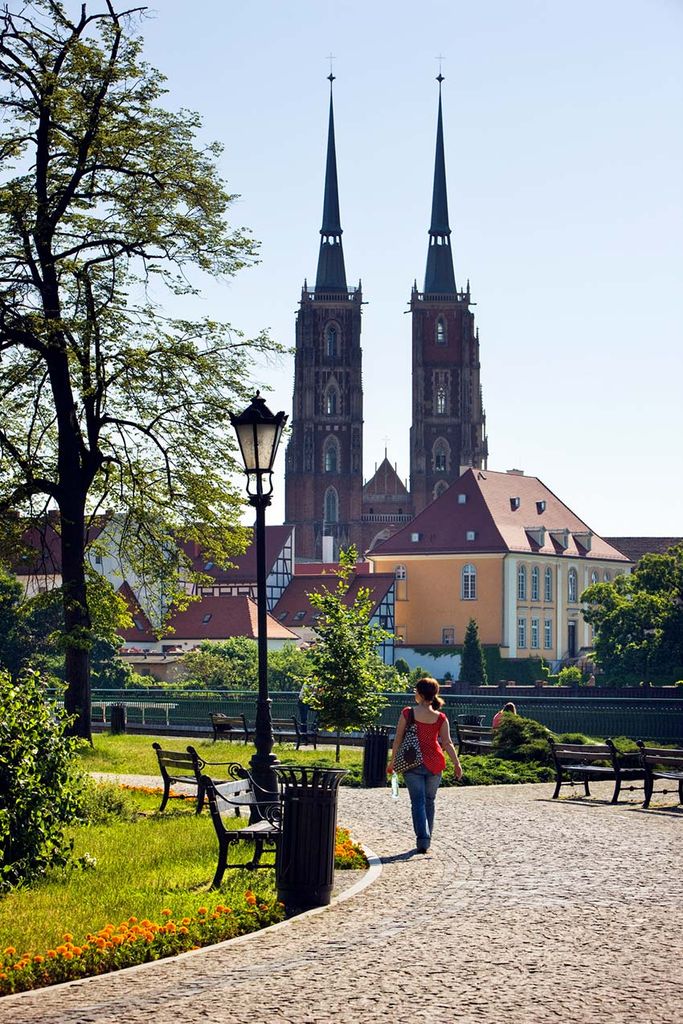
x: 548, y: 584
x: 469, y: 582
x: 440, y: 331
x: 331, y: 505
x: 440, y: 455
x: 331, y: 455
x: 440, y: 488
x: 534, y: 583
x: 521, y: 583
x: 572, y: 586
x: 331, y: 341
x: 440, y: 401
x: 331, y: 401
x: 606, y: 576
x: 594, y: 577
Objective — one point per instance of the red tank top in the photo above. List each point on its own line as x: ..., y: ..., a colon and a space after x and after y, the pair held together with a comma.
x: 428, y: 735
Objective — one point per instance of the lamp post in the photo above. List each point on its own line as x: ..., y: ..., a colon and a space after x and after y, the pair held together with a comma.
x: 258, y: 433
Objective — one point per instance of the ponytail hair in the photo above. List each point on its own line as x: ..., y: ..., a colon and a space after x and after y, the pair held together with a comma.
x: 428, y: 689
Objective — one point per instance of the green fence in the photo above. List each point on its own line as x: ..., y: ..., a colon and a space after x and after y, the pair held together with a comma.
x: 655, y: 719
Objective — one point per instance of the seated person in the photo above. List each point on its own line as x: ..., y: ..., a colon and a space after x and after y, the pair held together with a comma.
x: 498, y: 718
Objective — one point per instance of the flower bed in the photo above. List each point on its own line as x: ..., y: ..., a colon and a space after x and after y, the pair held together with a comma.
x: 134, y: 942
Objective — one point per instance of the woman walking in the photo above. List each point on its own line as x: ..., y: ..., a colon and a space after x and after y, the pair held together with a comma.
x: 434, y: 736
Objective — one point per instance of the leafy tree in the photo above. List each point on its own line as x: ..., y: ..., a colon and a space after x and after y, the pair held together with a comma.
x: 221, y: 665
x: 14, y: 639
x: 402, y: 667
x: 108, y: 207
x: 472, y: 663
x: 39, y: 787
x: 346, y: 686
x: 570, y: 675
x: 289, y: 668
x: 638, y: 620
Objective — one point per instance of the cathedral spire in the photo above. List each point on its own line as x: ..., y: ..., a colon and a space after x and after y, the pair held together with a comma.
x: 439, y: 277
x: 331, y: 276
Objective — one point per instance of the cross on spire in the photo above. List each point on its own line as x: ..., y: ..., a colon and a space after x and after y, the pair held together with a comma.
x: 331, y: 77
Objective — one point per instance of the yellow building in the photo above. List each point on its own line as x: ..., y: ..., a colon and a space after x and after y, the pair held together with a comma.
x: 502, y: 549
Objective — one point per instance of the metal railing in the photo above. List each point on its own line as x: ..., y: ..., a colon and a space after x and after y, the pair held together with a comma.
x: 658, y: 719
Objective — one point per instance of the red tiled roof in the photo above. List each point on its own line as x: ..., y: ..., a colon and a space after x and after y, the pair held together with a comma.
x: 244, y: 570
x: 294, y: 607
x: 142, y: 630
x: 320, y: 568
x: 504, y: 511
x: 218, y: 618
x: 635, y: 547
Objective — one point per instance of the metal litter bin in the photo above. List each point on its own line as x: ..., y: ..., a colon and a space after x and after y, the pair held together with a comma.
x: 304, y: 862
x: 375, y: 752
x: 117, y: 720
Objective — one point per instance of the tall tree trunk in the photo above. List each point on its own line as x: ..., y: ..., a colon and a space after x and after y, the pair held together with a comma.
x: 77, y: 625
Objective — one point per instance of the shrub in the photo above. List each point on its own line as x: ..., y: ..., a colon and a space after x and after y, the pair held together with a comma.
x: 403, y: 668
x: 522, y: 739
x: 570, y: 676
x: 479, y: 770
x: 103, y: 802
x: 39, y: 782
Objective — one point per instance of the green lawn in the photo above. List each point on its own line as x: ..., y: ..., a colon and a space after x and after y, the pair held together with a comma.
x: 141, y: 866
x: 132, y: 754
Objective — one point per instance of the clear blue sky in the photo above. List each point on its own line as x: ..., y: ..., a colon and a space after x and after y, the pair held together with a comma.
x: 564, y: 157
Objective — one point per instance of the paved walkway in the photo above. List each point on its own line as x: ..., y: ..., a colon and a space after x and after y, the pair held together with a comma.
x: 526, y: 911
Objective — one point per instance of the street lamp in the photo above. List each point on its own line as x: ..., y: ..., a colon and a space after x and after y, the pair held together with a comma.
x: 258, y: 433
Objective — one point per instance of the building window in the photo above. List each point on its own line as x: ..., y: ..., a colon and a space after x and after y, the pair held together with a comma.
x: 548, y: 584
x: 440, y: 332
x: 521, y: 583
x: 594, y: 577
x: 331, y: 505
x: 440, y: 401
x: 440, y: 488
x: 331, y: 402
x: 469, y: 583
x: 521, y: 632
x: 331, y: 341
x: 535, y: 583
x: 534, y: 633
x: 400, y: 572
x: 331, y: 457
x: 548, y: 634
x: 440, y: 455
x: 606, y: 576
x: 448, y: 636
x: 572, y: 586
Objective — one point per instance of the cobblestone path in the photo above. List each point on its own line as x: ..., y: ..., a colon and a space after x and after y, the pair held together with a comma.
x: 526, y: 911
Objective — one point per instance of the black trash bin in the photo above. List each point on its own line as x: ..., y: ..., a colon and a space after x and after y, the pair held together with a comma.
x: 117, y: 718
x: 375, y: 752
x: 304, y: 863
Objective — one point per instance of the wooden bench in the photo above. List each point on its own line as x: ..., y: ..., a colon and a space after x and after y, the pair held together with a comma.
x: 186, y: 767
x: 229, y: 728
x: 661, y: 763
x: 226, y: 797
x: 473, y: 739
x: 594, y: 762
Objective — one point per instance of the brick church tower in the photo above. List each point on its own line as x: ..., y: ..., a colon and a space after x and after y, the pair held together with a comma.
x: 449, y: 427
x: 324, y: 460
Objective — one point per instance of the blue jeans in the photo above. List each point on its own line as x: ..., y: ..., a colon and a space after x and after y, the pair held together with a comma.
x: 422, y: 786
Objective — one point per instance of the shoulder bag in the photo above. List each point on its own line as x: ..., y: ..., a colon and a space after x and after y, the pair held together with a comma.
x: 409, y: 754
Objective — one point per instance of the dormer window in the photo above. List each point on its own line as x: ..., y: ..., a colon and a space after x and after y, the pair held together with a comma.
x: 207, y: 618
x: 440, y: 331
x: 515, y: 503
x: 540, y: 507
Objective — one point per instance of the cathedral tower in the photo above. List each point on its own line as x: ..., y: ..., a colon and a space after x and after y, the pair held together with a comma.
x: 449, y: 427
x: 324, y: 460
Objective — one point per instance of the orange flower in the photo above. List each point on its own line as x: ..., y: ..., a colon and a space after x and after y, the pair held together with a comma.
x: 38, y: 959
x: 132, y: 920
x: 61, y: 949
x: 10, y: 951
x: 183, y: 931
x: 186, y: 920
x: 51, y: 953
x: 67, y: 937
x: 167, y: 913
x: 68, y: 955
x: 250, y: 898
x: 201, y: 910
